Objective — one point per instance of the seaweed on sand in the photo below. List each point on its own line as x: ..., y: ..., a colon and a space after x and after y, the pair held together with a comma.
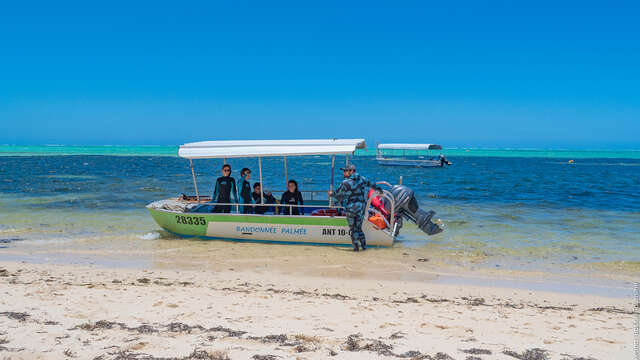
x: 230, y: 332
x: 149, y: 329
x: 195, y: 355
x: 551, y: 307
x: 69, y: 353
x: 280, y: 339
x: 181, y: 327
x: 613, y: 310
x: 144, y: 329
x: 4, y: 341
x: 352, y: 342
x: 531, y: 354
x: 100, y: 324
x: 475, y: 351
x: 336, y: 296
x: 434, y: 300
x: 20, y: 316
x: 474, y: 301
x: 355, y: 342
x: 104, y: 324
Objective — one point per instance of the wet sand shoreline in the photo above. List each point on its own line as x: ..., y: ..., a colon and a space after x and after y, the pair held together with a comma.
x: 395, y: 264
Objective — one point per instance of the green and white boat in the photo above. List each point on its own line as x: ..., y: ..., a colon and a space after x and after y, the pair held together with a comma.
x: 322, y: 224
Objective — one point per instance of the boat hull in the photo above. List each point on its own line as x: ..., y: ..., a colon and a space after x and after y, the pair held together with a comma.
x: 315, y: 230
x: 413, y: 163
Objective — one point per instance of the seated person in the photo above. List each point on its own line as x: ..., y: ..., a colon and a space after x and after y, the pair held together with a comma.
x: 268, y: 199
x: 292, y: 197
x: 225, y: 186
x: 244, y: 190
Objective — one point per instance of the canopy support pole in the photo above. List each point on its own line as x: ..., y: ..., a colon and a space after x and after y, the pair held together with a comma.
x: 195, y: 184
x: 285, y: 172
x: 333, y: 164
x: 261, y: 184
x: 347, y: 161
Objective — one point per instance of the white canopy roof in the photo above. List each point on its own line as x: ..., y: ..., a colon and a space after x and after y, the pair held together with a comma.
x: 410, y: 146
x: 255, y: 148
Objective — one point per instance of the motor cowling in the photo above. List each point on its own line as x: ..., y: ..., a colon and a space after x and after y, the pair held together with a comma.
x: 406, y: 206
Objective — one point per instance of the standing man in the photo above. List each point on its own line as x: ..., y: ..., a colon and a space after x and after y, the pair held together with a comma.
x: 245, y: 190
x: 225, y: 186
x: 351, y: 194
x: 443, y: 161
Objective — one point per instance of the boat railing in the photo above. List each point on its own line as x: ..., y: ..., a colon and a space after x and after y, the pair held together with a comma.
x: 275, y: 205
x: 310, y: 192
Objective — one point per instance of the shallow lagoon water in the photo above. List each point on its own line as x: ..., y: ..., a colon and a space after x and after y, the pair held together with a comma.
x: 521, y: 213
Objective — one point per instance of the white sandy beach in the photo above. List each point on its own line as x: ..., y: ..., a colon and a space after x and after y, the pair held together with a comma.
x: 66, y: 311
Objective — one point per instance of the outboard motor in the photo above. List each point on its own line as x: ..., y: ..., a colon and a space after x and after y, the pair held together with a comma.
x: 407, y: 207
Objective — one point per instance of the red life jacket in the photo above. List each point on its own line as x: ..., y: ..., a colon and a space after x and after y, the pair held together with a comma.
x: 377, y: 203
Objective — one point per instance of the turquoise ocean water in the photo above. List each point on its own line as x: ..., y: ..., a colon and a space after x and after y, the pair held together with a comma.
x: 516, y: 209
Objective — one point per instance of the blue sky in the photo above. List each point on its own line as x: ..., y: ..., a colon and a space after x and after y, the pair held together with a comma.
x: 471, y: 73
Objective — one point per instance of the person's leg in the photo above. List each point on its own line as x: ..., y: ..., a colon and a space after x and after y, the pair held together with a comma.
x: 359, y: 234
x: 247, y: 209
x: 351, y: 220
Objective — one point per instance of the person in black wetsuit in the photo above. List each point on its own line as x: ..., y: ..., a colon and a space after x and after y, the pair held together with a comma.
x: 268, y: 199
x: 443, y: 161
x: 225, y: 186
x: 292, y: 197
x: 244, y: 190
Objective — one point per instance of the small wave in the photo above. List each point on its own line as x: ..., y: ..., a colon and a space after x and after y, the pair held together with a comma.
x: 69, y: 177
x: 151, y: 235
x: 581, y: 193
x: 10, y: 240
x: 151, y: 189
x: 63, y: 189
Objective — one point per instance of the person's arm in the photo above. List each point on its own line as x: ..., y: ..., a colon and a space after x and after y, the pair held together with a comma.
x: 371, y: 184
x: 341, y: 192
x: 368, y: 182
x: 234, y: 190
x: 240, y: 187
x: 214, y: 198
